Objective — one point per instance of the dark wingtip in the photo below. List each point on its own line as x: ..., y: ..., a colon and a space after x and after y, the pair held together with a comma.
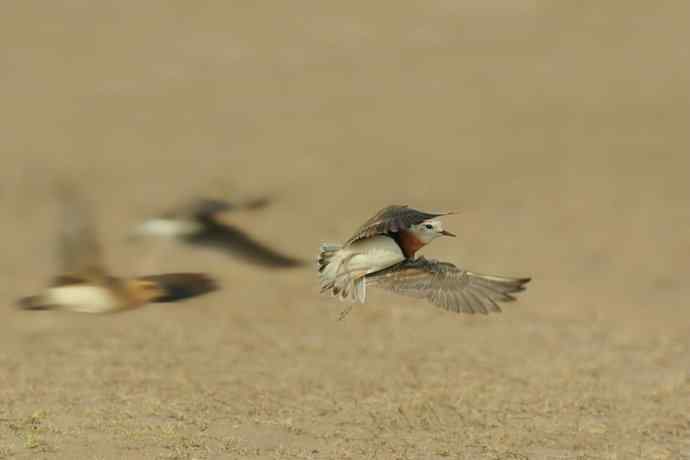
x: 206, y: 207
x: 237, y: 242
x: 257, y: 203
x: 181, y: 286
x: 298, y: 263
x: 280, y: 261
x: 210, y: 206
x: 521, y: 284
x: 277, y: 261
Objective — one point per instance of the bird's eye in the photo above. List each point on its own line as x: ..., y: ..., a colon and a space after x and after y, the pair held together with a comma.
x: 429, y: 226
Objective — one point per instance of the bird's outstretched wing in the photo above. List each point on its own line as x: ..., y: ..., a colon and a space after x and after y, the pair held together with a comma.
x: 180, y: 286
x: 447, y: 286
x: 79, y: 249
x: 390, y: 220
x: 202, y: 222
x: 198, y: 208
x: 217, y: 234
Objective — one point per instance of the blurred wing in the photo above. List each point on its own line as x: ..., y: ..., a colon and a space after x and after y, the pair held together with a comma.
x: 197, y: 208
x: 217, y: 234
x: 253, y: 204
x: 390, y: 220
x: 80, y: 252
x: 207, y: 207
x: 448, y: 286
x: 180, y: 286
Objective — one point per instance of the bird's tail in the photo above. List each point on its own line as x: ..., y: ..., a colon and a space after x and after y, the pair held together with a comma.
x: 330, y: 258
x: 34, y: 302
x: 337, y: 278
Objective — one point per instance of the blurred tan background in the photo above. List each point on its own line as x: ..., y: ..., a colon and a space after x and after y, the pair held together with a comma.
x: 559, y: 129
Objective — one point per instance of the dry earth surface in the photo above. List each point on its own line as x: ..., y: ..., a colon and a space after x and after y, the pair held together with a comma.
x: 559, y: 129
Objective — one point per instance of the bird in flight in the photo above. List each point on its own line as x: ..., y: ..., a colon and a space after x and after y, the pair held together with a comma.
x: 203, y: 222
x: 381, y: 253
x: 84, y: 284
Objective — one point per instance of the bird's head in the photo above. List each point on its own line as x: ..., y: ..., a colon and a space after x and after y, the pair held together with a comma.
x: 429, y: 230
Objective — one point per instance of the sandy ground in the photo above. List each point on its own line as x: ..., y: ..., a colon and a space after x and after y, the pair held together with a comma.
x: 559, y: 129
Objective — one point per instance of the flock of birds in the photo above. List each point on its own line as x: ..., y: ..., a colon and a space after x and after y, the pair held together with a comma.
x: 381, y: 253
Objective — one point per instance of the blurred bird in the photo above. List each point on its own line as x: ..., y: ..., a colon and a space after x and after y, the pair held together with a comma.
x: 84, y: 284
x: 202, y: 222
x: 382, y: 253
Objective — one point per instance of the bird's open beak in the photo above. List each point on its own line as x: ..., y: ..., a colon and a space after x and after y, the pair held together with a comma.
x: 447, y: 233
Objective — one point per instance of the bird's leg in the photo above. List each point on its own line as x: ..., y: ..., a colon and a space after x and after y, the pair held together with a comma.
x: 345, y: 312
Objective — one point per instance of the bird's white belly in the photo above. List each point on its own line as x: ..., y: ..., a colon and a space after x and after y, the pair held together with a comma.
x: 374, y: 254
x: 83, y: 299
x: 168, y: 228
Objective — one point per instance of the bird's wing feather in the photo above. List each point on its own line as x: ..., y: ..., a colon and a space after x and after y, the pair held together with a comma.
x: 197, y: 207
x: 179, y: 286
x: 390, y: 220
x: 237, y: 242
x: 448, y: 286
x: 202, y: 207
